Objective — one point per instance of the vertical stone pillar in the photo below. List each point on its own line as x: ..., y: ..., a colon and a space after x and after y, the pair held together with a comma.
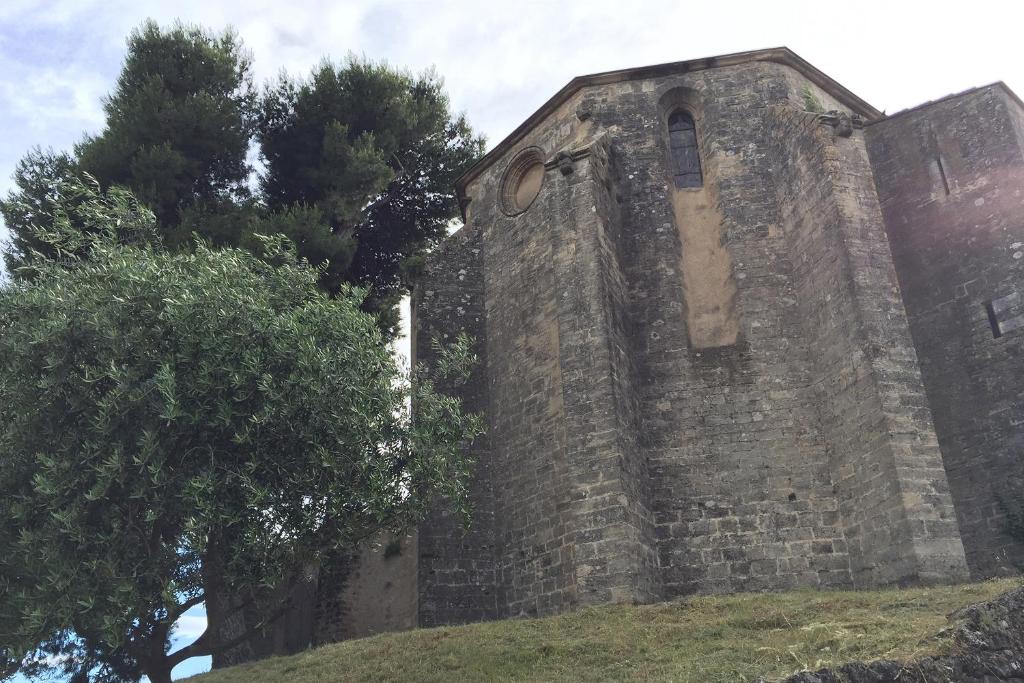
x: 887, y: 471
x: 456, y: 573
x: 950, y: 177
x: 606, y: 500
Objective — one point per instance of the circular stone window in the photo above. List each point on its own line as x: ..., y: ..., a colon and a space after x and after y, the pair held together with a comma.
x: 522, y: 182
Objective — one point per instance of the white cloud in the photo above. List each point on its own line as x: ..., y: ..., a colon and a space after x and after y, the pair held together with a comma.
x: 189, y: 627
x: 500, y: 60
x: 504, y: 60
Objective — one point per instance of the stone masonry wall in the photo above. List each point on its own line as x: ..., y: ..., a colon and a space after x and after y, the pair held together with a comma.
x: 456, y: 577
x: 624, y: 373
x: 743, y: 385
x: 572, y: 526
x: 608, y: 506
x: 885, y: 465
x: 950, y: 176
x: 367, y: 592
x: 740, y: 489
x: 757, y: 446
x: 622, y: 462
x: 534, y: 554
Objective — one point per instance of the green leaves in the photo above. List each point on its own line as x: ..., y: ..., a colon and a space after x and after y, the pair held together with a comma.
x: 179, y: 121
x: 361, y: 164
x: 168, y: 418
x: 171, y: 413
x: 360, y: 160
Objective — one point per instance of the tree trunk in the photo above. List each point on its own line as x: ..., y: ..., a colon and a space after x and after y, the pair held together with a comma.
x: 158, y: 673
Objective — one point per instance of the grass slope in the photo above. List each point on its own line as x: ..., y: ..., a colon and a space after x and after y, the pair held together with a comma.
x: 702, y: 639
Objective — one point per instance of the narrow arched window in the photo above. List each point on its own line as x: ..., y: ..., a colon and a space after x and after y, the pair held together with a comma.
x: 682, y: 143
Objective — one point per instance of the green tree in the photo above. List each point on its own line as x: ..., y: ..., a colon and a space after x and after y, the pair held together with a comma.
x: 65, y: 212
x: 361, y: 163
x: 172, y: 423
x: 178, y: 129
x: 36, y: 180
x: 361, y: 159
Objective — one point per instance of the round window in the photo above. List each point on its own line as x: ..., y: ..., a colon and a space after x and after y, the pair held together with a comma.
x: 522, y: 183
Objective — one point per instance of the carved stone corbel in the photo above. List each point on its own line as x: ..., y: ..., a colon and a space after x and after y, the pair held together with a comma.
x: 842, y: 122
x: 564, y: 161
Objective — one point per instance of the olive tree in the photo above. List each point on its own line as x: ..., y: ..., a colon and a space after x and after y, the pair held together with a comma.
x: 172, y: 423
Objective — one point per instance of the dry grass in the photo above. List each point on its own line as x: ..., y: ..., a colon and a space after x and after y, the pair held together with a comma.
x: 702, y: 639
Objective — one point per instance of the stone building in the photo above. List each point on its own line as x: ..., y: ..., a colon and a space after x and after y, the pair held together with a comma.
x: 738, y: 330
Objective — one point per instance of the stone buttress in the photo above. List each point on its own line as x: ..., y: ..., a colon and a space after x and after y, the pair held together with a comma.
x: 697, y: 370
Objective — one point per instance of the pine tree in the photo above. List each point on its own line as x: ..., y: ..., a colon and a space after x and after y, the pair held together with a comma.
x: 361, y: 162
x: 178, y: 130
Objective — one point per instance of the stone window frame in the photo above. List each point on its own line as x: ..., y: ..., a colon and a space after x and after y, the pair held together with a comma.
x: 525, y: 160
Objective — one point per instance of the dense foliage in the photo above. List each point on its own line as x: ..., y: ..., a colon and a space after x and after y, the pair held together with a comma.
x: 30, y: 207
x: 360, y: 159
x: 171, y: 421
x: 178, y: 126
x: 66, y: 214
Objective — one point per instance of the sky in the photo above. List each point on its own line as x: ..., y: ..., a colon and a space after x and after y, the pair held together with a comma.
x: 500, y: 60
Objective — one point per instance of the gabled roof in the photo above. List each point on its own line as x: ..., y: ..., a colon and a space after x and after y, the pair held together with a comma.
x: 780, y: 55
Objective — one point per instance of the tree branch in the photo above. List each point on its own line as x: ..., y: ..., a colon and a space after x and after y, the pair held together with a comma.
x: 200, y: 646
x: 174, y: 614
x: 207, y: 643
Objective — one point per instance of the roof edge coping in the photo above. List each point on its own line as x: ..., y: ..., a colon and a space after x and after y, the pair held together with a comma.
x: 945, y: 98
x: 780, y: 55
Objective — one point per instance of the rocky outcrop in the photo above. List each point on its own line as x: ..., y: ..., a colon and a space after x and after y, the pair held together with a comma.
x: 988, y: 646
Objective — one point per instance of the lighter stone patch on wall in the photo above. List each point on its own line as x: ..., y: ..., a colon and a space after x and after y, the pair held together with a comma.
x: 709, y: 288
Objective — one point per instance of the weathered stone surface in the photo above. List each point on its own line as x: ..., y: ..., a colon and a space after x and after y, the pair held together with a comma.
x: 988, y: 646
x: 456, y: 576
x: 801, y: 367
x: 708, y: 388
x: 784, y: 376
x: 692, y: 389
x: 370, y: 593
x: 950, y: 176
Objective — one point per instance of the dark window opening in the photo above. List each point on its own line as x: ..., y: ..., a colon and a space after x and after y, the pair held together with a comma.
x: 682, y: 144
x: 942, y: 174
x: 1004, y: 314
x: 993, y: 321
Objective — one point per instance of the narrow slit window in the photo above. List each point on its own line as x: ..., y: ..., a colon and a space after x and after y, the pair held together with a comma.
x: 942, y: 174
x: 682, y: 143
x: 993, y: 320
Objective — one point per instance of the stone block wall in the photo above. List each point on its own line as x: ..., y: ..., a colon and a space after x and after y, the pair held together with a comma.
x: 740, y: 489
x: 366, y: 592
x: 627, y: 462
x: 886, y: 468
x: 612, y: 530
x: 802, y: 372
x: 571, y: 524
x: 526, y: 420
x: 456, y: 569
x: 950, y: 176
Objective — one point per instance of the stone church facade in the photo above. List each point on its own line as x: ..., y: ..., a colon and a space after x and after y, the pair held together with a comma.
x: 738, y: 330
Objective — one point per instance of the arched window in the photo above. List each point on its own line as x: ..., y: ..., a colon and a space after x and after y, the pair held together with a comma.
x: 682, y: 143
